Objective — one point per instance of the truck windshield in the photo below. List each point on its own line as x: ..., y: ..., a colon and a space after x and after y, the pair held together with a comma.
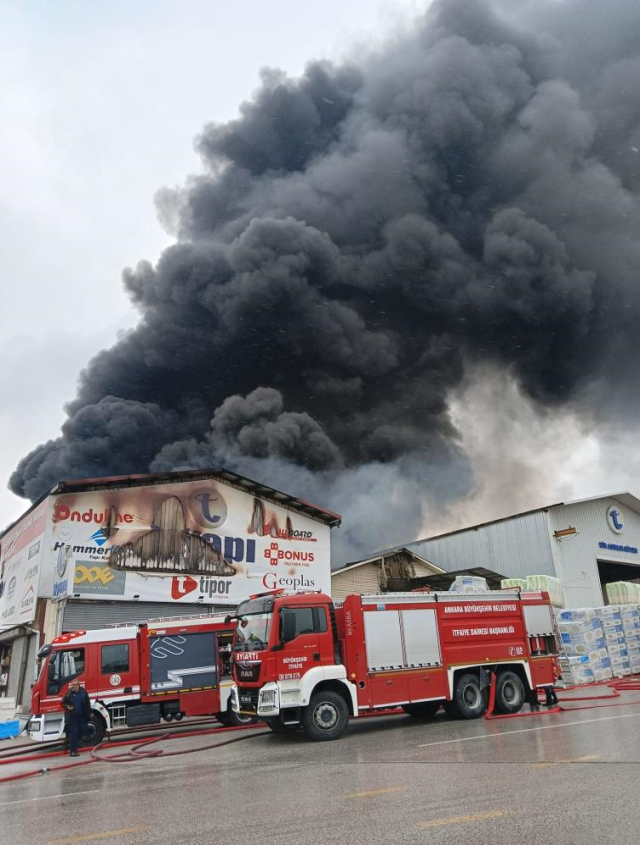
x: 252, y: 633
x: 63, y: 666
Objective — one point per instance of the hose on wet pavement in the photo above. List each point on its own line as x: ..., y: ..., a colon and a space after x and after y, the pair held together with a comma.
x: 617, y: 685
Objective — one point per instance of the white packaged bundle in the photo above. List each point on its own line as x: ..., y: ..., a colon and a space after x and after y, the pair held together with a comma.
x: 548, y: 584
x: 469, y: 584
x: 513, y: 584
x: 576, y: 670
x: 614, y: 635
x: 620, y: 666
x: 582, y: 626
x: 602, y: 674
x: 570, y: 647
x: 611, y: 611
x: 623, y: 593
x: 577, y: 614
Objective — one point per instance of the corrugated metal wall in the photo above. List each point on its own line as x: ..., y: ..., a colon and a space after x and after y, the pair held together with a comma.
x: 89, y: 615
x: 514, y: 547
x: 360, y: 580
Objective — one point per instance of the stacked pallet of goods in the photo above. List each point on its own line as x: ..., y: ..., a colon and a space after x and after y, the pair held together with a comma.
x: 537, y: 583
x: 585, y: 657
x: 623, y: 592
x: 611, y: 620
x: 631, y: 625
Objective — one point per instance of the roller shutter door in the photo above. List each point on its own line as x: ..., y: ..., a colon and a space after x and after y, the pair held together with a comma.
x: 89, y: 615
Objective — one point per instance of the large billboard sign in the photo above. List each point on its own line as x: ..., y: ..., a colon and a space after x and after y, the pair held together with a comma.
x: 193, y: 541
x: 21, y: 554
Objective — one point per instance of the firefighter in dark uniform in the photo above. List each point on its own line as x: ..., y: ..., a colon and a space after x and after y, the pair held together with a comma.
x: 77, y: 709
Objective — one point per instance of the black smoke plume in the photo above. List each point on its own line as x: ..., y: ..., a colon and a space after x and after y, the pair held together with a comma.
x: 359, y: 239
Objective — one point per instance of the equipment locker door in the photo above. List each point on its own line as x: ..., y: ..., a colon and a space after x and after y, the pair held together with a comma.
x: 403, y: 648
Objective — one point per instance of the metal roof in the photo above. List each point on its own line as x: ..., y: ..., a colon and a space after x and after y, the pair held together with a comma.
x: 443, y: 581
x: 627, y: 499
x: 255, y: 488
x: 382, y: 555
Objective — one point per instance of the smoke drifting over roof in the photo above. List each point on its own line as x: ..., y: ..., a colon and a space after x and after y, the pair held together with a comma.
x: 359, y: 239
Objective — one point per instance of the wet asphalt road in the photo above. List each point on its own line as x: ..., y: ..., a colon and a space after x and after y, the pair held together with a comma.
x: 569, y: 779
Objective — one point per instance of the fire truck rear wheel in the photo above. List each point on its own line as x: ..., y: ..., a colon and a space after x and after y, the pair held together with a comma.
x: 423, y: 710
x: 326, y: 717
x: 94, y: 733
x: 469, y: 697
x: 510, y: 692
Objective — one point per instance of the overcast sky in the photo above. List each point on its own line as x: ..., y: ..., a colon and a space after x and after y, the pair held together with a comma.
x: 100, y: 105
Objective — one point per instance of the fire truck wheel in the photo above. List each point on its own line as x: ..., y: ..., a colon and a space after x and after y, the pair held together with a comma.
x: 510, y: 693
x: 237, y: 719
x: 231, y: 719
x: 470, y: 699
x: 279, y: 727
x: 423, y: 710
x: 326, y: 717
x: 94, y: 733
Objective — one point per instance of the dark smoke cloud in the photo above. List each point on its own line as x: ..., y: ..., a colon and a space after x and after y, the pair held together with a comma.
x: 364, y: 235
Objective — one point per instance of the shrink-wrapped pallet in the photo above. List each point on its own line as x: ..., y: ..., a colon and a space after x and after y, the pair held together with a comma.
x: 469, y: 584
x: 576, y: 670
x: 611, y: 617
x: 583, y: 642
x: 548, y: 584
x: 623, y: 593
x: 513, y: 584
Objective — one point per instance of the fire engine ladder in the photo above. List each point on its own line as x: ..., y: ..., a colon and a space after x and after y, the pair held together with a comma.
x: 160, y: 619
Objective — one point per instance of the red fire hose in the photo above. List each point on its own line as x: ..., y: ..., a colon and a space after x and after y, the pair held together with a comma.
x: 616, y: 685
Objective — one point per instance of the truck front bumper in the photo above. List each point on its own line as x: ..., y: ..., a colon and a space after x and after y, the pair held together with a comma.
x: 45, y: 727
x: 263, y: 702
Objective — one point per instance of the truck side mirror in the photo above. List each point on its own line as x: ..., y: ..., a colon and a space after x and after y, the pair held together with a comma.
x: 287, y: 625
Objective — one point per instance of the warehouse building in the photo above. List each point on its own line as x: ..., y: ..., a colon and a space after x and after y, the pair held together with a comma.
x: 381, y: 573
x: 586, y: 543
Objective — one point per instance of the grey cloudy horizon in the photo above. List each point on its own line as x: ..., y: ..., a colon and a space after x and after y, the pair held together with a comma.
x: 403, y: 283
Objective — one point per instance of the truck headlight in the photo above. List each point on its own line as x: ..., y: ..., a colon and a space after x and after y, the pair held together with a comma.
x: 267, y: 699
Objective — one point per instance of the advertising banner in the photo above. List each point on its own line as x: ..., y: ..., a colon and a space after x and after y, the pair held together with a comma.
x: 21, y: 555
x: 194, y: 541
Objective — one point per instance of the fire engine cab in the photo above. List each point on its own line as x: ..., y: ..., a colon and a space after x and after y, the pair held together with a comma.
x: 137, y: 675
x: 304, y: 661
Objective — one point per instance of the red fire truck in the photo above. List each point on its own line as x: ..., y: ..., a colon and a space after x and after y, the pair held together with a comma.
x: 304, y: 661
x: 137, y: 675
